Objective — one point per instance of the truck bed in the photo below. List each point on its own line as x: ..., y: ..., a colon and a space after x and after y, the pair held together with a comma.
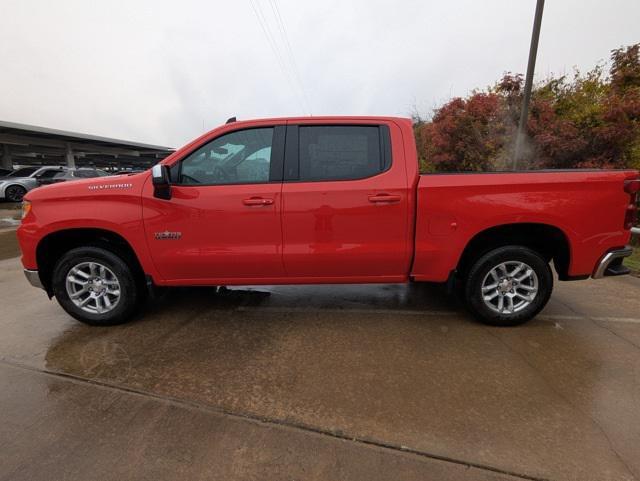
x: 587, y: 206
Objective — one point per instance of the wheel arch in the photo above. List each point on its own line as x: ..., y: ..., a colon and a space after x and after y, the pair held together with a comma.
x: 548, y: 240
x: 55, y: 244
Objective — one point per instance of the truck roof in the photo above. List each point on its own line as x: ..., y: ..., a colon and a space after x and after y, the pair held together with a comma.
x: 325, y: 118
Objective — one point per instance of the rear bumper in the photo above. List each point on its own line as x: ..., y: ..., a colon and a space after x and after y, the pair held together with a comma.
x: 611, y: 263
x: 33, y: 277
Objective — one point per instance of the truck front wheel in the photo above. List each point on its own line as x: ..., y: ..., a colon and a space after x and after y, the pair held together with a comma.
x: 95, y: 286
x: 508, y: 286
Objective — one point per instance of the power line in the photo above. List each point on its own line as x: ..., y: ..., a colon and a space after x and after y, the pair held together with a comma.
x: 262, y: 20
x: 273, y: 44
x: 283, y: 32
x: 257, y: 9
x: 288, y: 67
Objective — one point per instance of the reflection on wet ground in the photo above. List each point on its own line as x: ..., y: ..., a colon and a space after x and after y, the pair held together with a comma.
x: 400, y: 370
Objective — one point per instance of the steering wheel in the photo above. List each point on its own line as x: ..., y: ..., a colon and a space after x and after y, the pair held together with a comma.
x: 220, y: 173
x: 189, y: 179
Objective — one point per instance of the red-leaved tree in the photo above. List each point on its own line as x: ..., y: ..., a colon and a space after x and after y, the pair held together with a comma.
x: 588, y: 120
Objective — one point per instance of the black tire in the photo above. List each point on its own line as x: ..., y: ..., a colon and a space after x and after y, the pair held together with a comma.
x: 14, y: 193
x: 129, y: 289
x: 480, y: 271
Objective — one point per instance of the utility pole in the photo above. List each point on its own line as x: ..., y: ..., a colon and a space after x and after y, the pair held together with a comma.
x: 528, y: 83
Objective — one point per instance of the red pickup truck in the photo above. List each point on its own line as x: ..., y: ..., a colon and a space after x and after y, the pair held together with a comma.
x: 323, y: 200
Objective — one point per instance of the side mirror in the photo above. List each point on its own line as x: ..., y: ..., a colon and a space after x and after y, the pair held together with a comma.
x: 160, y: 179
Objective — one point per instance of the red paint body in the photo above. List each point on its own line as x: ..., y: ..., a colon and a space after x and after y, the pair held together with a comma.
x: 392, y: 227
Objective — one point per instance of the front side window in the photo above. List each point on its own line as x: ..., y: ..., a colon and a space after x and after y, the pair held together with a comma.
x: 340, y: 152
x: 24, y: 172
x: 241, y: 157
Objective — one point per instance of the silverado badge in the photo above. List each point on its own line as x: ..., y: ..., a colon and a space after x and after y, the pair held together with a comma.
x: 110, y: 186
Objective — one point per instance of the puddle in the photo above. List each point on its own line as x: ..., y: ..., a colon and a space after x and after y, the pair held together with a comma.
x: 9, y: 222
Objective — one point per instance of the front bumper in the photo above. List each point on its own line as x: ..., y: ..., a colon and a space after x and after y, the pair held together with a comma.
x: 611, y: 263
x: 33, y: 277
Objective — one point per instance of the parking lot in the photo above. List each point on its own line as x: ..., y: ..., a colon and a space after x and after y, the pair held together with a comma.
x: 321, y: 382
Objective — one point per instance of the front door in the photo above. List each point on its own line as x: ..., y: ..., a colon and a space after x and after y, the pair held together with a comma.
x: 222, y: 223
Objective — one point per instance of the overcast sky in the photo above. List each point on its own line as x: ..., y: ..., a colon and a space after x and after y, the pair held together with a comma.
x: 164, y: 71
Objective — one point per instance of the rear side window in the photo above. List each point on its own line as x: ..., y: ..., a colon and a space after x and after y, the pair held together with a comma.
x: 85, y: 174
x: 48, y: 174
x: 336, y: 152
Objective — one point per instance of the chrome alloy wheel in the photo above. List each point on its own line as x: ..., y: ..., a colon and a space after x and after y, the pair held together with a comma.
x: 93, y: 287
x: 509, y: 287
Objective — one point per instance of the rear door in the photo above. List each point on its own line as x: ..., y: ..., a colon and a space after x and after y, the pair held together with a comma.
x: 345, y: 202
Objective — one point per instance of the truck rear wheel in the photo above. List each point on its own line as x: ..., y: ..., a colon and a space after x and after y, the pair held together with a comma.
x: 95, y: 286
x: 508, y: 286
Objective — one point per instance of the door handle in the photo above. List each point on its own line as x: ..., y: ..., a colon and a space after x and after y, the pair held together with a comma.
x: 384, y: 198
x: 253, y: 201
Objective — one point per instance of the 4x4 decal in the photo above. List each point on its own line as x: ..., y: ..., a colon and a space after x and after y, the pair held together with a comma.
x: 166, y: 235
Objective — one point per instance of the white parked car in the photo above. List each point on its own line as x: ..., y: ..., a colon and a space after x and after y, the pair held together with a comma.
x: 14, y: 186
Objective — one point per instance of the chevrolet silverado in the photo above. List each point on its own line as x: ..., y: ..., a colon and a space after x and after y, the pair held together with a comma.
x: 323, y: 200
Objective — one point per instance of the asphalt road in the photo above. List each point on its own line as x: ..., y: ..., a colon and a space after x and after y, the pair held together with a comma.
x: 321, y: 382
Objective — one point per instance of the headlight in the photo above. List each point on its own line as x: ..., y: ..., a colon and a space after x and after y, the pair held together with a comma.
x: 26, y: 208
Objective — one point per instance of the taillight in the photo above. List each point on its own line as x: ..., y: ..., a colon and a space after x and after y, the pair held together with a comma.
x: 631, y: 187
x: 630, y: 216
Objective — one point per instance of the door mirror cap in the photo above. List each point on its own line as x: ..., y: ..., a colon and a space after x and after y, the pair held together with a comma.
x: 160, y: 175
x: 160, y: 179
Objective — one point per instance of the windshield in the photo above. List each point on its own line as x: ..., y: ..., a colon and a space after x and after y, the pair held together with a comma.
x: 24, y: 172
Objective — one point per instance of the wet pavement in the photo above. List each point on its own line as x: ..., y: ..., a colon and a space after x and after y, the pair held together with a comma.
x: 8, y: 244
x: 9, y: 215
x: 321, y: 382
